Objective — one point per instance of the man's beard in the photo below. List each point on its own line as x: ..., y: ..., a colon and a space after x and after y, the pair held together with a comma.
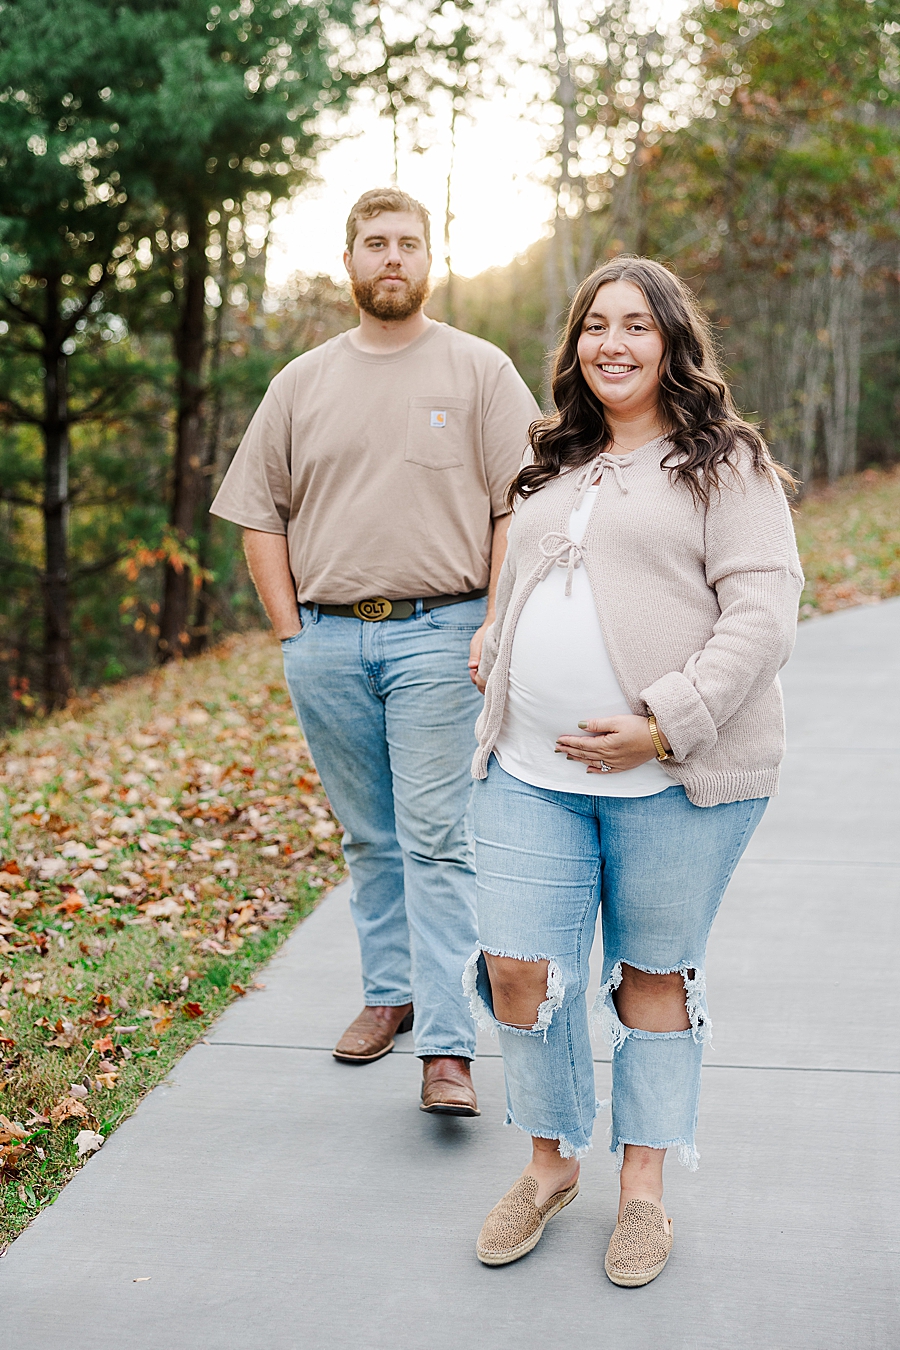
x: 392, y: 304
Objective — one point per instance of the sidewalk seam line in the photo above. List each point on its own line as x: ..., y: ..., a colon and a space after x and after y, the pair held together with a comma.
x: 817, y: 862
x: 750, y: 1068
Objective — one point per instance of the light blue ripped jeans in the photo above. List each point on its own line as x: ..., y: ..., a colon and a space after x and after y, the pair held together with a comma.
x: 656, y: 868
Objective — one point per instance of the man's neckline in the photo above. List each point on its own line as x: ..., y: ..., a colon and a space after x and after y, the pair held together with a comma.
x: 382, y: 358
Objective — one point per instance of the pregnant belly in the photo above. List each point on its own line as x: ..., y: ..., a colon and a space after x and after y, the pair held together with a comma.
x: 560, y: 672
x: 560, y: 675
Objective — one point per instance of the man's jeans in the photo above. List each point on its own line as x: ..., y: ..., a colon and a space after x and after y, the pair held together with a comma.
x: 388, y: 711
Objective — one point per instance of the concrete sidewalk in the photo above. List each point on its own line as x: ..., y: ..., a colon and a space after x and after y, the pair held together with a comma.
x: 281, y: 1201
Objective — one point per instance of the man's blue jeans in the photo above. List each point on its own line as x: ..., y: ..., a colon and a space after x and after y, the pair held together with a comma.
x: 388, y: 711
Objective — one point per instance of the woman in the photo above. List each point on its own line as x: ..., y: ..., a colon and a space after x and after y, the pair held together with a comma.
x: 630, y: 740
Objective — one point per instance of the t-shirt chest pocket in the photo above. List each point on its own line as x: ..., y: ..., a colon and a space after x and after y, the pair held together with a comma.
x: 437, y: 431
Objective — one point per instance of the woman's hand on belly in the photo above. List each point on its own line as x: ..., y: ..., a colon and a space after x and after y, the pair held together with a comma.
x: 619, y: 742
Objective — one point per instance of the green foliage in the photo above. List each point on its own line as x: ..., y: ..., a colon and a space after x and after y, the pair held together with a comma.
x: 801, y: 140
x: 792, y: 187
x: 61, y: 198
x: 757, y: 151
x: 209, y: 102
x: 125, y: 130
x: 119, y: 488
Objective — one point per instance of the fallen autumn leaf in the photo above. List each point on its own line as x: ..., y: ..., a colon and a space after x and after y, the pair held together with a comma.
x: 87, y: 1141
x: 66, y: 1108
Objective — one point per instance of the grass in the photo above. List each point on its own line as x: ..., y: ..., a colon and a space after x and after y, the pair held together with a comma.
x: 849, y: 538
x: 156, y: 846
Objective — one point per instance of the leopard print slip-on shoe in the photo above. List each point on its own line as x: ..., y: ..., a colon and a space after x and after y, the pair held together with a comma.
x: 516, y: 1223
x: 640, y: 1246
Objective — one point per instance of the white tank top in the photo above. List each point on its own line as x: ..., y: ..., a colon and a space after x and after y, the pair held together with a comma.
x: 560, y: 674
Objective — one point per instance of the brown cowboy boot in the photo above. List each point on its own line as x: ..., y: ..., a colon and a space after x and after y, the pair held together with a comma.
x: 447, y: 1087
x: 372, y: 1034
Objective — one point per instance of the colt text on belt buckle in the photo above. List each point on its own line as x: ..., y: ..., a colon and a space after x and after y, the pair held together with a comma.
x: 371, y: 610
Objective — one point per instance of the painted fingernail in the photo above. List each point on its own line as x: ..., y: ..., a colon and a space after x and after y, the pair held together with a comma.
x: 583, y: 726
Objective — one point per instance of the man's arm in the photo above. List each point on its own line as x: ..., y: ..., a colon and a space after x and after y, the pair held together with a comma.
x: 267, y: 558
x: 498, y: 553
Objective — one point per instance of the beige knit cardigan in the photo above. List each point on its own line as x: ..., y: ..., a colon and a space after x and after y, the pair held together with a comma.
x: 698, y: 607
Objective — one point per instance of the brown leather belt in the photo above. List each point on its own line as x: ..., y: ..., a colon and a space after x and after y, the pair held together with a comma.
x: 376, y: 609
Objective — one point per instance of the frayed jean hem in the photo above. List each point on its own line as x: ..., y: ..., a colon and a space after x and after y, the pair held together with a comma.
x: 687, y: 1153
x: 567, y: 1147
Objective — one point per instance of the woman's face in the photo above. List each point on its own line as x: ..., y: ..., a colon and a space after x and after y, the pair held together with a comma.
x: 620, y: 350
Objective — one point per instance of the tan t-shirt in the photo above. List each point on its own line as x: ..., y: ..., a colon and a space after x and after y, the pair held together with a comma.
x: 385, y: 472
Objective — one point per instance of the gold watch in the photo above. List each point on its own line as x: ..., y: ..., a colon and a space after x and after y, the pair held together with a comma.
x: 661, y: 751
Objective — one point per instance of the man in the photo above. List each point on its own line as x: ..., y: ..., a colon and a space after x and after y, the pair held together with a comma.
x: 370, y: 485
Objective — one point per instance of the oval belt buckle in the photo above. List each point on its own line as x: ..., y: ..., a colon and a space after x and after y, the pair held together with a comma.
x: 371, y: 610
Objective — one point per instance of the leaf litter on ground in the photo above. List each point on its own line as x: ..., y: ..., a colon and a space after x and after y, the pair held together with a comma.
x: 849, y: 538
x: 157, y: 843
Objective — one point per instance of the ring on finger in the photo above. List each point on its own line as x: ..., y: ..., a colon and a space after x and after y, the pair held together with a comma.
x: 604, y: 767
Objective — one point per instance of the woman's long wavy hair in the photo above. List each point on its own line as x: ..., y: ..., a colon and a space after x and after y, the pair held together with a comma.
x: 696, y: 410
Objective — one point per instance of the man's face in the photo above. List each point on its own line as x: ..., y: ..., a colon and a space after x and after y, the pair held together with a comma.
x: 389, y: 265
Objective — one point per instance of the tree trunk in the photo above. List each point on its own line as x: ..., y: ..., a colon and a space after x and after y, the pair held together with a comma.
x: 187, y: 486
x: 200, y: 629
x: 57, y: 638
x: 450, y: 312
x: 559, y: 261
x: 844, y: 328
x: 569, y: 187
x: 628, y: 208
x: 553, y: 304
x: 787, y: 357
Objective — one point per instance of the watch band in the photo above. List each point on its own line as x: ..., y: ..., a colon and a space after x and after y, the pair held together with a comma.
x: 661, y: 751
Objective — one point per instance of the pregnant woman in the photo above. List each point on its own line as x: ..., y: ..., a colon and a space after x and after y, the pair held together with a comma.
x: 630, y: 739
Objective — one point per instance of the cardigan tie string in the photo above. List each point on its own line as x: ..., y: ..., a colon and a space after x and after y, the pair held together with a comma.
x: 560, y: 551
x: 584, y: 482
x: 616, y: 463
x: 600, y: 462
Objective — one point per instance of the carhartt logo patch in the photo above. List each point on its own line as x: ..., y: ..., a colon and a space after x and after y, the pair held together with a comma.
x: 438, y: 419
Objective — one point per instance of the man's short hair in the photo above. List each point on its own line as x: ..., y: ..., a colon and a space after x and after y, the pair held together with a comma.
x: 375, y: 201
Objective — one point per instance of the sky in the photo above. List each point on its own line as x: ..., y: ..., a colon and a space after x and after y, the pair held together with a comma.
x: 501, y: 202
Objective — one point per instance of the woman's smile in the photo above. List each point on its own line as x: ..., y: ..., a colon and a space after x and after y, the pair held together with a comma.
x: 615, y: 372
